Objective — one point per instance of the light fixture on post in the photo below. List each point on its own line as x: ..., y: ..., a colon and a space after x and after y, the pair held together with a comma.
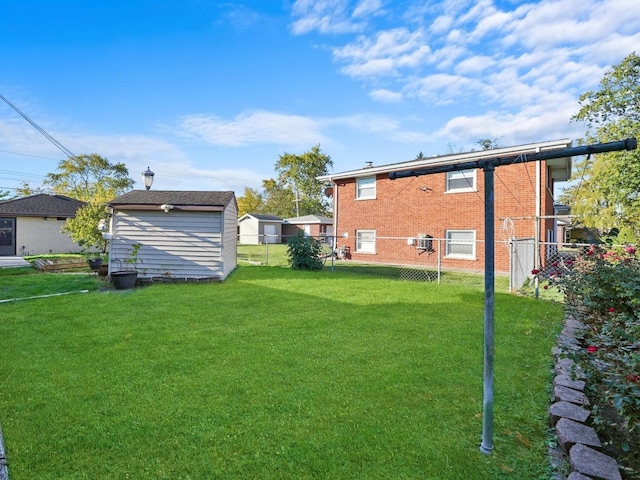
x: 147, y: 178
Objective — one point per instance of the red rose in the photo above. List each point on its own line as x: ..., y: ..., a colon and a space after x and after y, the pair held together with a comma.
x: 535, y: 271
x: 546, y: 287
x: 611, y: 309
x: 632, y: 377
x: 592, y: 349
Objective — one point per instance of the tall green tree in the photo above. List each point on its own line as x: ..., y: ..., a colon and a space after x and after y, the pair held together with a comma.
x: 279, y: 199
x: 606, y: 189
x: 299, y: 173
x: 251, y: 202
x: 94, y: 180
x: 85, y: 177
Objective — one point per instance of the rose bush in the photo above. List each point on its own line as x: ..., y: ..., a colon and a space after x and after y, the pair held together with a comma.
x: 602, y: 290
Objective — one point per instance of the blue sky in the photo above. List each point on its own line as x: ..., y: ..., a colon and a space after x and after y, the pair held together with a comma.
x: 209, y: 94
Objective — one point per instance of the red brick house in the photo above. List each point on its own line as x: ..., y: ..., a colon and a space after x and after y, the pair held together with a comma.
x: 441, y: 216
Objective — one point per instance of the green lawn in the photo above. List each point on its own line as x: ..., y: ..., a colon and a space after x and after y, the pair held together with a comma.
x: 273, y: 374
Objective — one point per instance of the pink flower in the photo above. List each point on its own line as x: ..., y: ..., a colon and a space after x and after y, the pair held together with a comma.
x: 630, y: 250
x: 592, y: 349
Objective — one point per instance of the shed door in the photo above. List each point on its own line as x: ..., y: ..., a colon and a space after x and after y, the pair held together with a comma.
x: 270, y: 233
x: 7, y: 236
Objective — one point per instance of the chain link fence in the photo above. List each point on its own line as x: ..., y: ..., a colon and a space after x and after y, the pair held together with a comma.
x: 427, y: 259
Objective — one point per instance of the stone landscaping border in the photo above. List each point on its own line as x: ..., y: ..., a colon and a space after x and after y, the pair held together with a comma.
x: 4, y: 468
x: 578, y: 443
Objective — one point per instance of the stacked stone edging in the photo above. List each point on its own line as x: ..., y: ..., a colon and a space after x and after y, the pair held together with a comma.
x: 577, y: 440
x: 4, y: 468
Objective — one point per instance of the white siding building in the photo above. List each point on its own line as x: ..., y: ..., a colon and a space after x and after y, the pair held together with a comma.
x: 32, y: 225
x: 182, y: 234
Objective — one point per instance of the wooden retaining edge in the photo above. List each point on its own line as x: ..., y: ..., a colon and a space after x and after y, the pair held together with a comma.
x: 49, y: 266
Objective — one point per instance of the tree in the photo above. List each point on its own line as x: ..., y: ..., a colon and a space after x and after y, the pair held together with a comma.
x: 299, y: 173
x: 251, y: 202
x: 25, y: 190
x: 85, y: 177
x: 606, y: 192
x: 93, y: 180
x: 4, y: 194
x: 488, y: 143
x: 279, y: 199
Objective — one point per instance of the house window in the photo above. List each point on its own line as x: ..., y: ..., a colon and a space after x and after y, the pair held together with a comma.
x: 461, y: 244
x: 366, y: 241
x: 366, y: 188
x: 461, y: 181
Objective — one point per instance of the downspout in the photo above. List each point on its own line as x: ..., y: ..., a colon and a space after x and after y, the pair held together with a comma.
x: 536, y: 236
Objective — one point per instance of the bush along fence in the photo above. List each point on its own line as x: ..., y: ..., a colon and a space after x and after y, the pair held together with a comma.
x: 596, y: 409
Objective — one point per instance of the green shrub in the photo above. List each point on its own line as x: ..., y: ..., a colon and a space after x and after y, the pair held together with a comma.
x: 305, y: 252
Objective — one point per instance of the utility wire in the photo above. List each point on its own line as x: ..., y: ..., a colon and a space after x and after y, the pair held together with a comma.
x: 60, y: 147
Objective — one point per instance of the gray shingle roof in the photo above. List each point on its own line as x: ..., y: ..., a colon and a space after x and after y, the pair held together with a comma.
x: 41, y: 205
x: 264, y: 216
x: 174, y: 197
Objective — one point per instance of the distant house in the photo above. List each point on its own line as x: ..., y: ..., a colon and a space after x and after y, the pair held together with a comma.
x: 33, y: 225
x: 255, y: 229
x: 440, y: 217
x: 316, y: 226
x: 182, y: 234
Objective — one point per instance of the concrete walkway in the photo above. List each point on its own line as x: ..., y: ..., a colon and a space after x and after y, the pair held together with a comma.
x: 11, y: 262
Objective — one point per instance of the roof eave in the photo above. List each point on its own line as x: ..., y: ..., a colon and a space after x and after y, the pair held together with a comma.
x: 450, y: 159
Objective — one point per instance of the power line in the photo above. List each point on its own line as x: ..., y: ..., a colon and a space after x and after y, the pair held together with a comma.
x: 58, y: 145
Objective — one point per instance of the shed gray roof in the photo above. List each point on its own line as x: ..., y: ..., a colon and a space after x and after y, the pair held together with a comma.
x: 309, y: 219
x: 174, y: 197
x: 41, y: 205
x: 263, y: 216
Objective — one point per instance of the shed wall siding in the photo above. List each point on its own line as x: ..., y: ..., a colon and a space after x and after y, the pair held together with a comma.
x: 39, y: 236
x: 229, y: 239
x: 250, y: 231
x: 174, y: 244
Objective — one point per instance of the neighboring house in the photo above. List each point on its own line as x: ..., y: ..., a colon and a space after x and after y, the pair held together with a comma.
x: 33, y: 225
x: 316, y: 226
x: 404, y: 221
x: 182, y: 234
x: 255, y: 229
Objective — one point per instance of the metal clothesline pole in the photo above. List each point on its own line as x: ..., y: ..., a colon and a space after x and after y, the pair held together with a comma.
x: 488, y: 166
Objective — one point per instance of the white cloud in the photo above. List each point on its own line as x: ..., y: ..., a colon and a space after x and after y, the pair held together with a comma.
x: 325, y: 16
x: 365, y: 8
x: 385, y: 54
x: 252, y: 127
x: 386, y: 96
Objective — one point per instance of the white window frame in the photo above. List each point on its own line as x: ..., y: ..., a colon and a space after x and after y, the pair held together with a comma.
x: 366, y: 188
x: 450, y: 241
x: 470, y: 175
x: 366, y: 245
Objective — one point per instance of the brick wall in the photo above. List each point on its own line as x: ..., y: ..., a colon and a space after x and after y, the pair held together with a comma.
x: 407, y: 207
